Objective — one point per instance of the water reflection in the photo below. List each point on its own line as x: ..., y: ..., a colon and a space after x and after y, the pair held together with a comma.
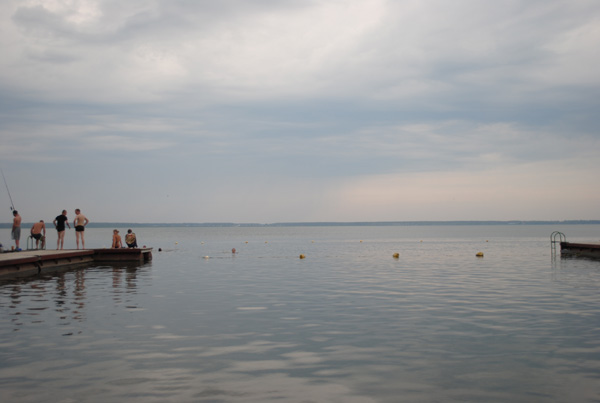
x: 79, y: 294
x: 349, y: 323
x: 67, y: 291
x: 580, y: 272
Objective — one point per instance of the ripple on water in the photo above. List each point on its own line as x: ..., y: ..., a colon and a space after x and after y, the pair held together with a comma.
x: 348, y: 323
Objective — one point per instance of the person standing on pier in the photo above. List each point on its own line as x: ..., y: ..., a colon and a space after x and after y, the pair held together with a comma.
x: 59, y: 224
x: 79, y: 223
x: 16, y: 229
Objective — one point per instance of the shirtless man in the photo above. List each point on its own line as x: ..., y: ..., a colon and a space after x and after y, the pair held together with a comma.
x: 59, y: 224
x: 38, y: 231
x: 16, y: 229
x: 79, y: 223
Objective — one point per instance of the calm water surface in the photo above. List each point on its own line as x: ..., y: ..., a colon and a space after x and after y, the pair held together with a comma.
x: 347, y: 324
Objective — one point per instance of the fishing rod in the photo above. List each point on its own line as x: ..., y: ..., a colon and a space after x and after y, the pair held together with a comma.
x: 12, y: 206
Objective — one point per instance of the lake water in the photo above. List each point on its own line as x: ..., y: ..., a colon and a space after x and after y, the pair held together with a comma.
x: 349, y: 323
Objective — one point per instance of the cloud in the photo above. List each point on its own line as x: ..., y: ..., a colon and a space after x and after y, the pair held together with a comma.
x: 405, y: 51
x: 295, y: 102
x: 510, y: 192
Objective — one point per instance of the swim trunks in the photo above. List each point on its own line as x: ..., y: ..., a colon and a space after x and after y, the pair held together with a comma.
x: 79, y: 228
x: 16, y: 233
x: 37, y: 236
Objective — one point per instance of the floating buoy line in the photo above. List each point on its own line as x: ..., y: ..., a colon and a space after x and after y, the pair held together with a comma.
x: 395, y: 255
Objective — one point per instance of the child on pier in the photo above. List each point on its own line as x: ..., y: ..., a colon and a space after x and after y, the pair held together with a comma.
x: 116, y: 242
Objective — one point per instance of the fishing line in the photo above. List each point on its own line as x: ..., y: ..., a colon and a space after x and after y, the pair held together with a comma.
x: 12, y: 206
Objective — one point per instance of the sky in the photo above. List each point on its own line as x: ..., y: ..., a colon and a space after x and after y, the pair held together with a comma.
x: 264, y: 111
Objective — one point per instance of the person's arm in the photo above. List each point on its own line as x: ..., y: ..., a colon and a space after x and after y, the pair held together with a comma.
x: 86, y: 222
x: 54, y: 222
x: 44, y: 229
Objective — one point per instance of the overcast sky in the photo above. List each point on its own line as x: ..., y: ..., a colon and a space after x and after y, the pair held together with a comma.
x: 298, y: 110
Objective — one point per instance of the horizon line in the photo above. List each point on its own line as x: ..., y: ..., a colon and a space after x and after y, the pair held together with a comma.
x: 330, y: 223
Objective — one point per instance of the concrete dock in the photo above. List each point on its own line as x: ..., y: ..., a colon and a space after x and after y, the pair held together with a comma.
x: 37, y: 261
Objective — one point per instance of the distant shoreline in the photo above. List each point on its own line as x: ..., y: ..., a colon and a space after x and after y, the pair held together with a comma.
x: 323, y: 224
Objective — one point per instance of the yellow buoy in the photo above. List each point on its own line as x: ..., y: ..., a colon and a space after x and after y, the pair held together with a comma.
x: 302, y: 256
x: 206, y: 257
x: 396, y: 255
x: 479, y: 254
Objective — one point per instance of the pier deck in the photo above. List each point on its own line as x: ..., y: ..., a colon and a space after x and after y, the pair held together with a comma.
x: 580, y: 249
x: 32, y: 262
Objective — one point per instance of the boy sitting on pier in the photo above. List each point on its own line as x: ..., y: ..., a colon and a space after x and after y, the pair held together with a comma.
x: 130, y: 239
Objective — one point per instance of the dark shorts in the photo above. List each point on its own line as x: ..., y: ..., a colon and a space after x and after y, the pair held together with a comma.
x: 60, y: 229
x: 79, y: 228
x: 37, y: 236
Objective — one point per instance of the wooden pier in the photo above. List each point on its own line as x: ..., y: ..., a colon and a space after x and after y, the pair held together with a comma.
x: 123, y: 255
x: 33, y: 262
x: 580, y: 249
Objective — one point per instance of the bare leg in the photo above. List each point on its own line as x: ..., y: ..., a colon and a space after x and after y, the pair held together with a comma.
x: 82, y: 241
x: 61, y: 240
x: 77, y: 238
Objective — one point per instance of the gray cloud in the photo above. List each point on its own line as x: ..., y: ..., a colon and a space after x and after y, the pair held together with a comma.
x: 272, y: 93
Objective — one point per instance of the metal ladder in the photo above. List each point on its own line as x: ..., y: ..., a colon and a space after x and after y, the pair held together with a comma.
x: 556, y: 238
x: 31, y: 243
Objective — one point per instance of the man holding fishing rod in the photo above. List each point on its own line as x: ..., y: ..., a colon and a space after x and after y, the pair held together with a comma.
x: 16, y: 229
x: 15, y: 232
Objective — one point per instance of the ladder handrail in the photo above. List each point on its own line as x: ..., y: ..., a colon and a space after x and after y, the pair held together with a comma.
x: 553, y: 241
